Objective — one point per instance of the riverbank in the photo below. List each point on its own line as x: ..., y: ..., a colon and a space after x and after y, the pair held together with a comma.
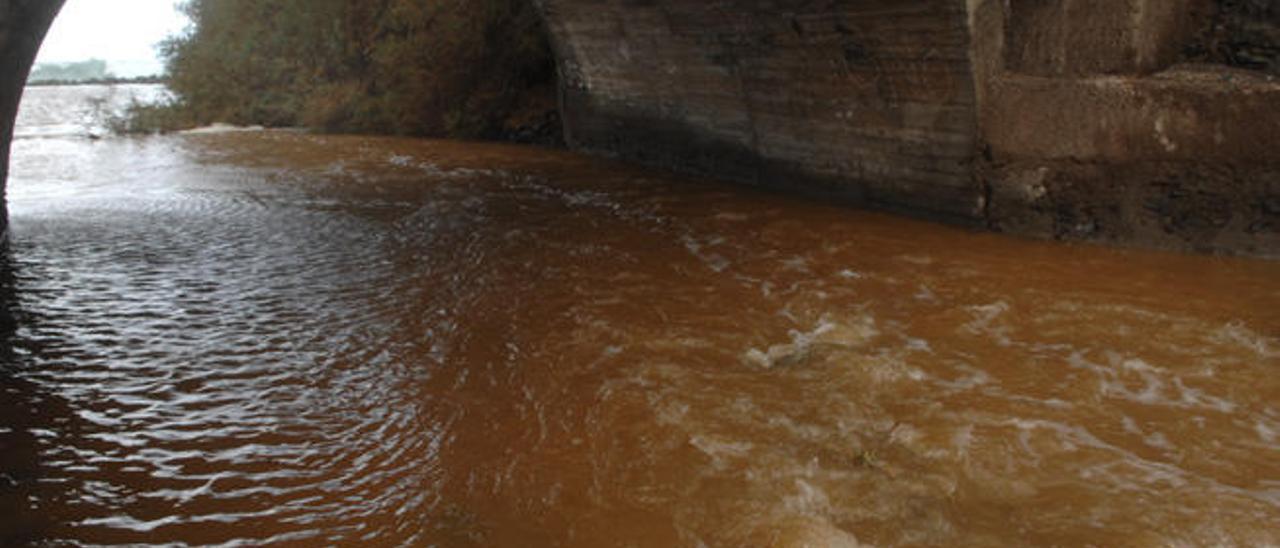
x: 98, y: 81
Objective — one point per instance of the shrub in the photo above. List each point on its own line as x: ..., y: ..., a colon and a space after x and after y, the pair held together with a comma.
x: 458, y: 68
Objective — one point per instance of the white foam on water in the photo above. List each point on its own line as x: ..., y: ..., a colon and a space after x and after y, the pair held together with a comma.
x: 1151, y: 392
x: 851, y: 274
x: 985, y: 322
x: 853, y: 333
x: 972, y: 378
x: 1266, y: 432
x: 918, y: 345
x: 807, y: 499
x: 219, y: 128
x: 796, y: 263
x: 721, y: 452
x: 962, y: 440
x: 925, y: 294
x: 436, y: 172
x: 1237, y: 334
x: 919, y: 260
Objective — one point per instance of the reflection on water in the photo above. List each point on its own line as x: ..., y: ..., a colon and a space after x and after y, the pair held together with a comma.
x: 50, y: 112
x: 265, y: 337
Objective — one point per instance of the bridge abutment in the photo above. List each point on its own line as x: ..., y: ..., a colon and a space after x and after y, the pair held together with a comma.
x: 1064, y: 119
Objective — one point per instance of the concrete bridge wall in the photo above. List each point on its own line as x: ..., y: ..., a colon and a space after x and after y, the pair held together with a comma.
x: 870, y: 100
x: 1068, y: 119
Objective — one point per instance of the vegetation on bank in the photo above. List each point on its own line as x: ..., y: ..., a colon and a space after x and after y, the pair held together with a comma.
x: 92, y: 69
x: 109, y: 81
x: 456, y: 68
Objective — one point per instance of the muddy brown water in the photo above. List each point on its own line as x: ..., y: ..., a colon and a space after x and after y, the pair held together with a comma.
x: 266, y: 337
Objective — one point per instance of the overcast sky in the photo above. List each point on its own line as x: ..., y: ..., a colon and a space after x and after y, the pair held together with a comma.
x: 123, y: 31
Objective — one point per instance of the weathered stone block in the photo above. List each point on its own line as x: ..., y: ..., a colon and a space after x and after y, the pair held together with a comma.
x: 1083, y: 37
x: 1218, y: 116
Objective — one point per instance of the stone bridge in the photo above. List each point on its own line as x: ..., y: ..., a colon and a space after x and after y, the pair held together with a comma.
x: 1151, y: 122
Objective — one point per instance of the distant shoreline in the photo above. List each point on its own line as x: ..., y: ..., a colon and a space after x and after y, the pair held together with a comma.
x: 99, y: 81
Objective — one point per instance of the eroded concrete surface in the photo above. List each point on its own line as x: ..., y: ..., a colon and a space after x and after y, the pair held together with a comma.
x: 1146, y: 141
x: 1068, y: 119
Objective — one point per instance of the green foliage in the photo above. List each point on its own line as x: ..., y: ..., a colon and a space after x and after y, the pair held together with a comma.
x: 460, y: 68
x: 144, y: 118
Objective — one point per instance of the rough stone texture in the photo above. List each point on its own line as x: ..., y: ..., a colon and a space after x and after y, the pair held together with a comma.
x: 1066, y: 119
x: 1078, y: 37
x: 1200, y: 206
x: 1126, y: 148
x: 1242, y: 33
x: 871, y: 100
x: 1184, y: 159
x: 1176, y: 116
x: 23, y: 24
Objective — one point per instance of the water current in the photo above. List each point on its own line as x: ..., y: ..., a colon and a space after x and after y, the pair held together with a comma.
x: 276, y: 338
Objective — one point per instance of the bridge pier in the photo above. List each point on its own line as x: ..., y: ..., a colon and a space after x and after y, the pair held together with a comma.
x: 23, y: 25
x: 1061, y: 119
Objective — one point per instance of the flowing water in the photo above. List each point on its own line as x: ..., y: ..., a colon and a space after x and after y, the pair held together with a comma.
x: 269, y: 337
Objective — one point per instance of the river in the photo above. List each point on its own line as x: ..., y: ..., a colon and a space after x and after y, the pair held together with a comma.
x: 271, y: 337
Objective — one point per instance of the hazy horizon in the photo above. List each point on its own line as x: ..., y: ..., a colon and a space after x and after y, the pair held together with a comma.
x: 124, y: 37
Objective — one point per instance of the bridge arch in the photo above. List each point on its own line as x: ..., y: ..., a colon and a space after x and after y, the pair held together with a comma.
x: 23, y: 25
